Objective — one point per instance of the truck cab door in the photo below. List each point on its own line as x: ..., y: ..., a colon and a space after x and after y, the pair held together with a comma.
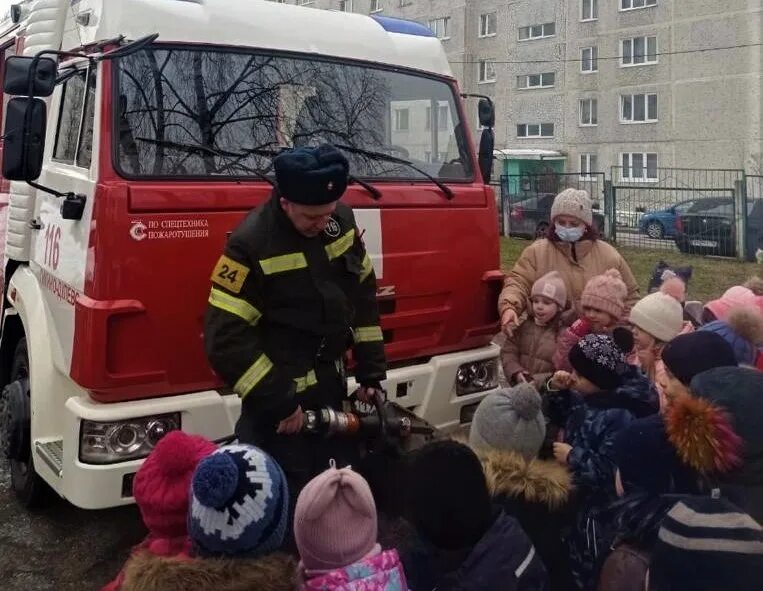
x: 60, y: 246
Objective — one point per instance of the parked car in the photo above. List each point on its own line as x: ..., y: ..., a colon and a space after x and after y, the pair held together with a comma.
x: 661, y: 223
x: 709, y: 228
x: 529, y: 218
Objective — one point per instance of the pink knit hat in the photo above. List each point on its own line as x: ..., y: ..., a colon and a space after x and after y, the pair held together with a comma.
x: 675, y: 288
x: 734, y: 297
x: 335, y: 520
x: 551, y: 285
x: 606, y: 292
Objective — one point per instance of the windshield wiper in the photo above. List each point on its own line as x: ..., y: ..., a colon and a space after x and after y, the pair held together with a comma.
x: 226, y: 155
x: 395, y: 160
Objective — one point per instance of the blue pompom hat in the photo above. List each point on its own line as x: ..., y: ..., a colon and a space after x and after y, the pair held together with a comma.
x: 239, y: 503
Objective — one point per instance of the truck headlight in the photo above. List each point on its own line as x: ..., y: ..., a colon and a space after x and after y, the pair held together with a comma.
x: 119, y: 441
x: 477, y: 376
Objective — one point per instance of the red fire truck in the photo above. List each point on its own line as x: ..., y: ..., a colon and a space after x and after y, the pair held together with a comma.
x: 132, y: 161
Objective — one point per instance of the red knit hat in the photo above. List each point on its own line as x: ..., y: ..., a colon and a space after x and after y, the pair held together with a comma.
x: 163, y: 482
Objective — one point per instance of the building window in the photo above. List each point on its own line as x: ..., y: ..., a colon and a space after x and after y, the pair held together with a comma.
x: 305, y: 2
x: 443, y: 116
x: 345, y: 5
x: 530, y: 130
x: 376, y: 6
x: 537, y: 31
x: 639, y: 166
x: 486, y: 71
x: 589, y: 108
x: 536, y: 81
x: 588, y: 166
x: 638, y: 108
x: 401, y: 119
x: 488, y: 24
x: 589, y: 10
x: 589, y: 59
x: 441, y: 27
x: 638, y: 51
x: 636, y: 4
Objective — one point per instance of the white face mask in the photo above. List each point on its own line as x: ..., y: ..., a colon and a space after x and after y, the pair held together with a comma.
x: 569, y: 234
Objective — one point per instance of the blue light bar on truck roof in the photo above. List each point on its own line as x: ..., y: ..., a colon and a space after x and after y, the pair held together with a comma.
x: 405, y: 27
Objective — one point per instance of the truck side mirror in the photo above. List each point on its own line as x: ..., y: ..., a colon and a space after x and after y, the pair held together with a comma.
x: 19, y: 73
x: 485, y: 156
x: 486, y: 113
x: 24, y: 139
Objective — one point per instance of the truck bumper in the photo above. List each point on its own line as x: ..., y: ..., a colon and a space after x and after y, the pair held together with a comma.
x: 428, y: 389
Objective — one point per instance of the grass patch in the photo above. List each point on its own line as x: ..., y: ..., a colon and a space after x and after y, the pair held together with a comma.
x: 712, y: 276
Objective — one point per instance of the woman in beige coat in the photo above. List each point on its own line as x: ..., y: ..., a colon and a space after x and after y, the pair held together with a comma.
x: 573, y: 249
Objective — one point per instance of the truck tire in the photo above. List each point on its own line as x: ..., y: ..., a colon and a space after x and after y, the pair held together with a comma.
x: 30, y: 489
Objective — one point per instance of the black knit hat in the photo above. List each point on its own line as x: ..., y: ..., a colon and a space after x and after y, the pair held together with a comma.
x: 312, y: 176
x: 601, y: 359
x: 649, y: 462
x: 448, y: 500
x: 690, y: 354
x: 707, y: 544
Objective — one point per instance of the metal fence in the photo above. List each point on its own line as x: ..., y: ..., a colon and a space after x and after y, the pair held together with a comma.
x: 697, y: 211
x: 526, y: 199
x: 677, y: 209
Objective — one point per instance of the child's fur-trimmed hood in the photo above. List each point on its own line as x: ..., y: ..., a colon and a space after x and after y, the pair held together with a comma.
x: 148, y: 572
x: 536, y: 481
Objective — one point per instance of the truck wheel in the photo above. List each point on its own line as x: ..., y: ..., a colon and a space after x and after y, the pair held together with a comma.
x: 28, y: 486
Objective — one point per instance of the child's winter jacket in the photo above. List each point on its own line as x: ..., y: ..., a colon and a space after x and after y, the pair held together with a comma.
x: 530, y: 350
x: 538, y: 494
x: 626, y: 545
x: 590, y: 427
x: 591, y: 423
x: 383, y: 572
x: 566, y: 341
x: 504, y: 559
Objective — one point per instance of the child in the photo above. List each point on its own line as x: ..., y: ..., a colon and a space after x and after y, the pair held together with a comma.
x: 657, y: 319
x: 335, y: 527
x: 737, y: 390
x: 599, y: 399
x: 659, y: 457
x: 466, y: 544
x: 603, y: 306
x: 527, y: 355
x: 161, y: 493
x: 743, y: 330
x: 237, y: 519
x: 734, y: 297
x: 688, y: 355
x: 507, y: 433
x: 707, y: 544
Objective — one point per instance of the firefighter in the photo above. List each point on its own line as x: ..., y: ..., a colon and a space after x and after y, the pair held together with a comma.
x: 292, y: 293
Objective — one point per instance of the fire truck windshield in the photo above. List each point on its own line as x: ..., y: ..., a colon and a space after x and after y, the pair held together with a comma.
x: 232, y: 106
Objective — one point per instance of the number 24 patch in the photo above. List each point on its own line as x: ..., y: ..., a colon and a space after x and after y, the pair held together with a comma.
x: 230, y: 274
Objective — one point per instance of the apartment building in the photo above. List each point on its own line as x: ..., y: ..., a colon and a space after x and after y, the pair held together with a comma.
x: 586, y: 85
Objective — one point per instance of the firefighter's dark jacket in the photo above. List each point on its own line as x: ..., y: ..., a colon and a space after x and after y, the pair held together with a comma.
x: 281, y: 303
